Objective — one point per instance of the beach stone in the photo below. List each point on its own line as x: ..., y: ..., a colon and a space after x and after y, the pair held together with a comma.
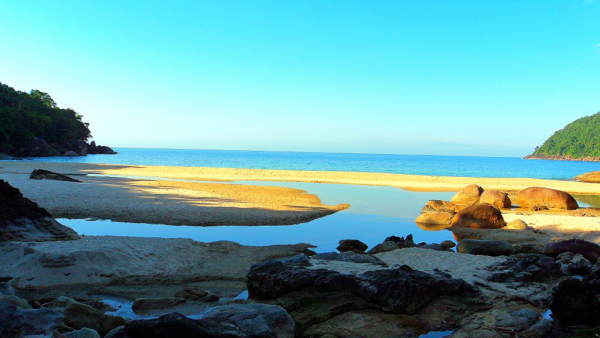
x: 440, y: 206
x: 79, y: 316
x: 591, y: 251
x: 197, y: 294
x: 230, y: 321
x: 23, y: 220
x: 435, y: 218
x: 41, y: 174
x: 480, y: 216
x: 147, y: 304
x: 83, y: 333
x: 486, y: 248
x: 536, y: 197
x: 352, y: 245
x: 384, y: 247
x: 469, y: 195
x: 574, y: 264
x: 497, y: 198
x: 448, y: 244
x: 516, y: 225
x: 18, y: 322
x: 575, y: 302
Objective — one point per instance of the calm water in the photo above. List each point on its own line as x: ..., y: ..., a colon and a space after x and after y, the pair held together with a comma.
x: 399, y: 164
x: 375, y: 213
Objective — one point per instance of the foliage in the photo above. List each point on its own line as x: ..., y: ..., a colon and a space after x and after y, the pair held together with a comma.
x: 25, y: 116
x: 580, y: 138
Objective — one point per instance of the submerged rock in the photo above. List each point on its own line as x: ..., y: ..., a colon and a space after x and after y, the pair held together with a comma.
x: 23, y: 220
x: 41, y: 174
x: 540, y: 198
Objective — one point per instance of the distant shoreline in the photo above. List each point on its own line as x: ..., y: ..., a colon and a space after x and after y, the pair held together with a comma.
x: 561, y: 158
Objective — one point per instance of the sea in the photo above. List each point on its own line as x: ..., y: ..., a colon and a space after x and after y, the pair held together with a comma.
x: 375, y: 212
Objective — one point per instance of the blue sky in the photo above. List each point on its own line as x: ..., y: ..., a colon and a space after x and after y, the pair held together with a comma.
x: 483, y: 78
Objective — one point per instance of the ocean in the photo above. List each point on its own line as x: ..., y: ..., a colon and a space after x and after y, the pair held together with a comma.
x: 458, y: 166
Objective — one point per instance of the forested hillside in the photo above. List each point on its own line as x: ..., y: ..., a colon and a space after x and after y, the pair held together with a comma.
x: 577, y: 140
x: 25, y: 116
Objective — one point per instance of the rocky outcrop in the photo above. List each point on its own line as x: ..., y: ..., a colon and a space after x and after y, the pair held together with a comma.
x: 497, y: 198
x: 41, y: 174
x: 23, y: 220
x: 352, y: 245
x: 590, y: 251
x: 80, y: 147
x: 231, y: 321
x: 482, y: 247
x: 544, y: 198
x: 104, y: 150
x: 592, y: 177
x: 469, y: 195
x: 480, y: 216
x: 38, y: 148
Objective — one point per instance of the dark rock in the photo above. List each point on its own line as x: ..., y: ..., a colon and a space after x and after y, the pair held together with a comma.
x: 147, y: 304
x: 590, y: 251
x: 436, y: 247
x: 83, y: 333
x: 38, y: 148
x: 231, y: 321
x: 350, y: 257
x: 105, y: 150
x: 448, y: 244
x: 401, y: 241
x: 81, y: 148
x: 23, y: 220
x: 16, y: 322
x: 366, y: 323
x: 526, y: 268
x: 486, y: 248
x: 575, y: 302
x: 41, y: 174
x: 197, y: 294
x: 546, y: 198
x: 70, y: 153
x: 480, y: 216
x: 92, y: 148
x: 79, y: 316
x: 298, y: 260
x: 574, y: 264
x: 352, y: 245
x: 383, y: 247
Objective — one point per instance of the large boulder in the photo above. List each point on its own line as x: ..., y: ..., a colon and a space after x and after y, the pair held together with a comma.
x: 480, y: 216
x: 545, y: 198
x: 105, y: 150
x: 80, y: 147
x: 469, y: 195
x: 435, y: 218
x: 17, y: 322
x: 440, y: 206
x: 231, y: 321
x: 38, y: 148
x: 23, y: 220
x: 591, y: 251
x: 483, y: 247
x: 41, y: 174
x: 497, y: 198
x: 575, y: 301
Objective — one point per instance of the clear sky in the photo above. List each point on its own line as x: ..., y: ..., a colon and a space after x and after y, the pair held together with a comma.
x: 484, y: 78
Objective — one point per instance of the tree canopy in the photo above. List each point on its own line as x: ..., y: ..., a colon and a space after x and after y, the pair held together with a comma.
x: 24, y: 116
x: 578, y: 139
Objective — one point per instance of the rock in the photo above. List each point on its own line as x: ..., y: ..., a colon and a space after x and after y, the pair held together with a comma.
x: 480, y: 216
x: 231, y: 321
x: 541, y: 329
x: 497, y: 198
x: 105, y: 150
x: 147, y: 304
x: 486, y: 248
x: 70, y: 153
x: 80, y: 147
x: 546, y: 198
x: 435, y: 218
x: 590, y: 251
x: 526, y: 268
x: 469, y: 195
x: 83, y: 333
x: 401, y: 241
x: 516, y: 225
x: 41, y: 174
x: 16, y: 301
x: 6, y: 289
x: 574, y: 264
x: 384, y: 247
x: 23, y: 220
x: 92, y: 148
x: 434, y: 246
x: 440, y: 206
x: 38, y: 148
x: 16, y: 322
x: 352, y: 245
x: 79, y: 316
x: 448, y: 244
x: 367, y: 323
x: 575, y: 302
x: 197, y: 294
x: 527, y: 248
x: 350, y: 257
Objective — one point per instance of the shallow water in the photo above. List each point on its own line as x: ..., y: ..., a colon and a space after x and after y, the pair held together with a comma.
x: 467, y: 166
x: 375, y: 213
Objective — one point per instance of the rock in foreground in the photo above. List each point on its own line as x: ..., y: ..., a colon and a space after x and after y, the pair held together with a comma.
x: 23, y: 220
x: 41, y: 174
x: 480, y: 216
